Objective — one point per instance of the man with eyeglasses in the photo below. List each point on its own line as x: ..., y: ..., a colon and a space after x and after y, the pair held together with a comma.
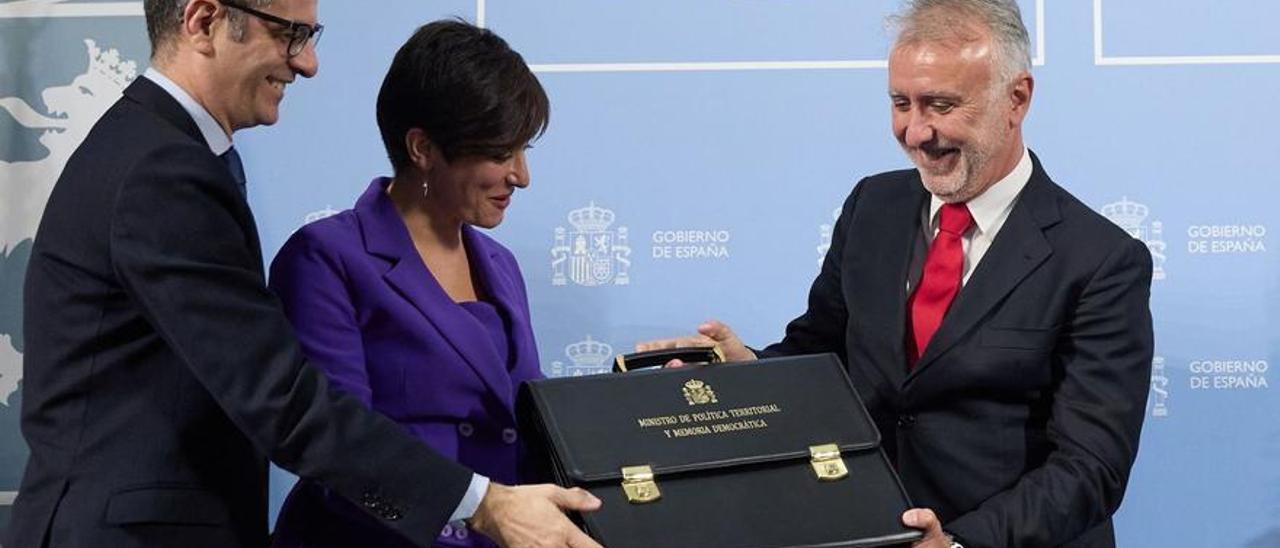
x: 160, y: 373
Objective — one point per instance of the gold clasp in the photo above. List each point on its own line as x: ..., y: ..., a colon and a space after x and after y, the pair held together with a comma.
x: 638, y: 484
x: 827, y: 463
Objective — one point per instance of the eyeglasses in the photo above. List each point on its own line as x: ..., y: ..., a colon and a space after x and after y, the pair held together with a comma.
x: 298, y: 33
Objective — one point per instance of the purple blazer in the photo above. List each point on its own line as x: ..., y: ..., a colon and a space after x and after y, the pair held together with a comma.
x: 370, y: 314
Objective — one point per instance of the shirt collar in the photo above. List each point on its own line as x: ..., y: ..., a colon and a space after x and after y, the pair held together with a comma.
x: 987, y: 208
x: 214, y: 136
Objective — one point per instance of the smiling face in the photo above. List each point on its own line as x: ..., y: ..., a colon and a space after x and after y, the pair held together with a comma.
x: 476, y: 190
x: 255, y: 69
x: 960, y: 127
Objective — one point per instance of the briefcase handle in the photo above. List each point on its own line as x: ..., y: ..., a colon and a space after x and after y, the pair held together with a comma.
x: 658, y: 358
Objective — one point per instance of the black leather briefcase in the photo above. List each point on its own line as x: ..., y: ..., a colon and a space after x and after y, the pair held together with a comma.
x: 773, y: 453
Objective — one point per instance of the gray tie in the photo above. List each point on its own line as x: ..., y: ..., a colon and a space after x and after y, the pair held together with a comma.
x: 232, y: 159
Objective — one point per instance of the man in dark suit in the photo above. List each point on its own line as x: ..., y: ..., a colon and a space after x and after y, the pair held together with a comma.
x: 997, y: 329
x: 161, y: 373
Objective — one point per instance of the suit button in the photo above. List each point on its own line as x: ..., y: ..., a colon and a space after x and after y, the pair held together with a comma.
x: 906, y: 421
x: 466, y: 429
x: 508, y: 435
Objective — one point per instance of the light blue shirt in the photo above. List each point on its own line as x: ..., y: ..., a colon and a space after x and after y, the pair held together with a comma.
x: 219, y: 142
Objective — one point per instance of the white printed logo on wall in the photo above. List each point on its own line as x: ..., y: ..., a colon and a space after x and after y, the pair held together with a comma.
x: 586, y: 357
x: 72, y: 110
x: 1228, y: 374
x: 1132, y: 217
x: 825, y: 231
x: 318, y: 214
x: 1159, y: 388
x: 1227, y: 239
x: 10, y: 369
x: 591, y: 252
x: 691, y: 244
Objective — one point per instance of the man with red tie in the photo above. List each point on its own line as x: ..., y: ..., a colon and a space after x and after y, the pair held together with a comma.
x: 996, y: 328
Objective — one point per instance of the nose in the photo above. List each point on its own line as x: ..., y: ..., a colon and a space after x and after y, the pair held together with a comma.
x: 919, y: 129
x: 519, y: 174
x: 307, y: 62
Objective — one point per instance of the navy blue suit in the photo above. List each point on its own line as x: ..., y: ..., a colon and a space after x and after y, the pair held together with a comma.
x: 161, y: 373
x: 1020, y: 422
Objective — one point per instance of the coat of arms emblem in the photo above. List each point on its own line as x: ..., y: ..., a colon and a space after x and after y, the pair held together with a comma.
x: 586, y: 357
x: 1159, y: 388
x: 697, y: 392
x: 1132, y: 217
x: 594, y: 254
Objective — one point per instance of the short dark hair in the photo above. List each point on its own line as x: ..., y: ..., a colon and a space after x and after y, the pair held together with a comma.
x: 164, y: 18
x: 465, y: 88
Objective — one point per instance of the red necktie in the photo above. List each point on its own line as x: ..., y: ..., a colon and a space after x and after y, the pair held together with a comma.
x: 940, y: 281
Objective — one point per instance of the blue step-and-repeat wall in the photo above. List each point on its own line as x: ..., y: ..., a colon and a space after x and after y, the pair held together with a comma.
x: 699, y: 150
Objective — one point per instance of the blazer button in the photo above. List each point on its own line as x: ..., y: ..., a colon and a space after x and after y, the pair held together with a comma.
x: 508, y: 435
x: 906, y: 421
x: 466, y: 429
x: 447, y: 531
x: 461, y: 532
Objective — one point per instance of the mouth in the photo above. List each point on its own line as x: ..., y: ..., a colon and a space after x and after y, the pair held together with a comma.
x: 938, y: 154
x: 937, y: 159
x: 501, y: 201
x: 278, y: 84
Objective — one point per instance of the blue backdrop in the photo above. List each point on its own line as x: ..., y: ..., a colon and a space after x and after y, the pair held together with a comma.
x: 696, y: 156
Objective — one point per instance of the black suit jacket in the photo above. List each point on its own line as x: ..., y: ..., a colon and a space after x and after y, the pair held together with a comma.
x: 1020, y: 422
x: 160, y: 372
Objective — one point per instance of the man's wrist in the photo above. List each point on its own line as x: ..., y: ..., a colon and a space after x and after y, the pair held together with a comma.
x: 952, y: 541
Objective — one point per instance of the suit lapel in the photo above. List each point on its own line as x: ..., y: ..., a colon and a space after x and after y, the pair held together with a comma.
x: 155, y: 99
x: 385, y: 235
x: 1018, y: 249
x: 503, y: 291
x: 893, y: 236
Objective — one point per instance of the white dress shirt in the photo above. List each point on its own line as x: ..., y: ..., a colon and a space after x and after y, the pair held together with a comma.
x: 989, y: 210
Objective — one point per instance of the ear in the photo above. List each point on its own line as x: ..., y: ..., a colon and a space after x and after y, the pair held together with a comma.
x: 423, y: 154
x: 198, y: 22
x: 1020, y: 95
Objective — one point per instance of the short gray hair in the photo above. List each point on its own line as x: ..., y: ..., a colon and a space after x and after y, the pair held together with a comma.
x: 164, y: 18
x: 940, y: 20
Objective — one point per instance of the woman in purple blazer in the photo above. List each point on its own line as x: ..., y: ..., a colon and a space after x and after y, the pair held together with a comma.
x: 400, y: 300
